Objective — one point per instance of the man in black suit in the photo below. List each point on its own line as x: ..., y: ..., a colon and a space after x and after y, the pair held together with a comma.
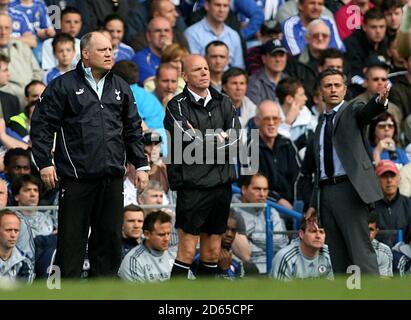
x: 345, y: 184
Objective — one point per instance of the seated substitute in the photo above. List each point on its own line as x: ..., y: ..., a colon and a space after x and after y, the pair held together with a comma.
x: 383, y: 252
x: 305, y: 257
x: 13, y: 264
x: 153, y: 259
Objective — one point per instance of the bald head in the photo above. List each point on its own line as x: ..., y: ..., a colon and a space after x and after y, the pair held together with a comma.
x: 268, y: 119
x: 196, y: 73
x: 267, y: 106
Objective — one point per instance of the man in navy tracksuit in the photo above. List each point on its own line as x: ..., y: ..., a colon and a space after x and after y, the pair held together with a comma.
x: 203, y: 186
x: 98, y: 129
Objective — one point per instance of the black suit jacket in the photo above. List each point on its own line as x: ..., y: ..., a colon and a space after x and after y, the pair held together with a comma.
x: 10, y: 105
x: 349, y: 143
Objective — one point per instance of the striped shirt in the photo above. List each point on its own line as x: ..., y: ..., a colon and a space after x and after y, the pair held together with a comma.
x: 36, y: 14
x: 51, y: 74
x: 295, y: 33
x: 290, y: 263
x: 21, y: 23
x: 384, y: 258
x: 402, y: 259
x: 143, y: 264
x: 123, y: 52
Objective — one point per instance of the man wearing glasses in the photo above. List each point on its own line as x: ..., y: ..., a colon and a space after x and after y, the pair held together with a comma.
x: 295, y: 27
x: 376, y: 77
x: 278, y: 157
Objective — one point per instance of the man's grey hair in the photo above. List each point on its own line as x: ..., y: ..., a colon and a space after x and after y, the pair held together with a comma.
x: 85, y: 41
x: 152, y: 185
x: 314, y: 23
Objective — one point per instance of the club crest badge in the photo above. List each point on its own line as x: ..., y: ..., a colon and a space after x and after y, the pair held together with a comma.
x: 80, y: 91
x: 117, y: 92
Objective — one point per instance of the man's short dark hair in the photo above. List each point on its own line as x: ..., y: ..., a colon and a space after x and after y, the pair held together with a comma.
x: 233, y: 72
x: 215, y: 43
x: 70, y: 10
x: 4, y: 58
x: 391, y: 4
x: 60, y: 38
x: 373, y: 218
x: 153, y: 217
x: 287, y: 87
x: 15, y: 152
x: 4, y: 212
x: 22, y: 180
x: 303, y: 224
x: 155, y: 6
x: 330, y: 72
x: 126, y: 69
x: 166, y: 65
x: 247, y: 179
x: 31, y: 83
x: 132, y: 207
x: 330, y: 53
x: 373, y: 14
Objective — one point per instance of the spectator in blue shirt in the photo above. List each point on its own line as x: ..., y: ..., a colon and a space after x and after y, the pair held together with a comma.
x: 249, y: 12
x: 212, y: 27
x: 294, y: 28
x: 21, y: 28
x: 383, y: 134
x: 40, y: 22
x: 159, y: 35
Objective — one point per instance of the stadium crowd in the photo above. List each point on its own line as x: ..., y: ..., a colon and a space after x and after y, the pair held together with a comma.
x: 266, y: 57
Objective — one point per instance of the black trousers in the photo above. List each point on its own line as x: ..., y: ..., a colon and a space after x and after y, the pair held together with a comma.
x: 344, y: 217
x: 95, y: 203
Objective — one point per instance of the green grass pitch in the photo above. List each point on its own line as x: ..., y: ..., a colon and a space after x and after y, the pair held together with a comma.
x: 245, y: 289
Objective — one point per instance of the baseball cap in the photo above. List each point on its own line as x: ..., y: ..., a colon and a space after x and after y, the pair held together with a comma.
x: 270, y: 27
x: 377, y: 60
x: 272, y: 46
x: 386, y: 166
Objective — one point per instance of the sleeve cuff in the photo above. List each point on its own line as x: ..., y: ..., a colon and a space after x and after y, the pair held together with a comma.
x: 144, y: 168
x: 377, y: 100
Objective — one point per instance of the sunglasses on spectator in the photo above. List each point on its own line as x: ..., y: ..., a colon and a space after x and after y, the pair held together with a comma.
x: 379, y: 79
x: 276, y: 120
x: 383, y: 125
x: 319, y: 35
